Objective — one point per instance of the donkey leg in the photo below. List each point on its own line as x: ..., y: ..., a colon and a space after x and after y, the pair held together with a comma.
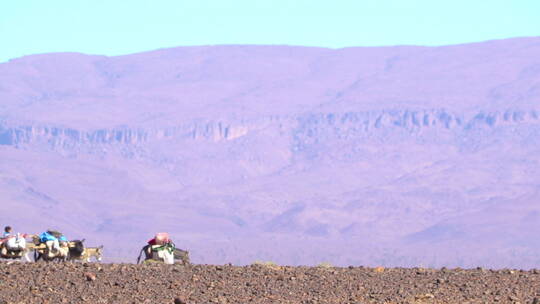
x: 26, y: 257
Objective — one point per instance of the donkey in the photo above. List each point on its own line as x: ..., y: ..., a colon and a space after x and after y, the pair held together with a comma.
x: 59, y: 251
x: 167, y: 254
x: 76, y: 249
x: 182, y: 256
x: 88, y: 254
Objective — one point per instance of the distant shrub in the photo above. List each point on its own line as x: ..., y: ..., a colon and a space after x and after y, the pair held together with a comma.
x: 325, y: 265
x: 379, y: 269
x: 264, y: 263
x: 267, y: 264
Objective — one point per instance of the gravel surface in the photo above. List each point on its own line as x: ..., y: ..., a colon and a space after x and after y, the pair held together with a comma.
x: 128, y: 283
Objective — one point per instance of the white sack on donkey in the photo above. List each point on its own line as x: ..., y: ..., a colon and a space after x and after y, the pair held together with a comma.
x: 16, y: 243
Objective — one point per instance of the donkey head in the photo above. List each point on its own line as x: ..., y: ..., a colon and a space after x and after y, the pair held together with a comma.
x: 99, y: 253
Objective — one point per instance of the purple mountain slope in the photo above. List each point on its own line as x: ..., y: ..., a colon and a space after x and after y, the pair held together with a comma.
x: 379, y: 156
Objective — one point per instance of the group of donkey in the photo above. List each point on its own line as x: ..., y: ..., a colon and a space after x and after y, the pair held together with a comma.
x: 19, y: 249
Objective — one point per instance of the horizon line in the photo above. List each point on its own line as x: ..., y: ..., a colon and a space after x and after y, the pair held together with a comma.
x: 270, y: 45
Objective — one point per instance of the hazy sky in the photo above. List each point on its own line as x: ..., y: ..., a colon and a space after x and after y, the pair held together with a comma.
x: 113, y: 27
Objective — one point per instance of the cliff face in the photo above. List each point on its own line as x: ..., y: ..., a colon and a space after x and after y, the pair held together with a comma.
x: 301, y: 129
x: 297, y: 155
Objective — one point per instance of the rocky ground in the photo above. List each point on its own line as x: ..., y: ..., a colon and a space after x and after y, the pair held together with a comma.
x: 260, y: 283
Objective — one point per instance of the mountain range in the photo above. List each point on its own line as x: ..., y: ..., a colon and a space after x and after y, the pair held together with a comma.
x: 393, y: 156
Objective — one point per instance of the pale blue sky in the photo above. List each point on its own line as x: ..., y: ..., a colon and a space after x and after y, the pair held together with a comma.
x: 113, y: 27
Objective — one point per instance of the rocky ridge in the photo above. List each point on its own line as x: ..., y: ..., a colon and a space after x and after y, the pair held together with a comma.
x: 350, y: 125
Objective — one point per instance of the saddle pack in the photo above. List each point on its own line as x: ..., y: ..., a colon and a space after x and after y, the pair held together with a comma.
x: 16, y: 243
x: 163, y: 252
x: 51, y: 235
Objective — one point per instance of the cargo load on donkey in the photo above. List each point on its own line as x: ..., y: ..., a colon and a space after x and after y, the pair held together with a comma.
x: 13, y: 246
x: 52, y: 245
x: 161, y: 249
